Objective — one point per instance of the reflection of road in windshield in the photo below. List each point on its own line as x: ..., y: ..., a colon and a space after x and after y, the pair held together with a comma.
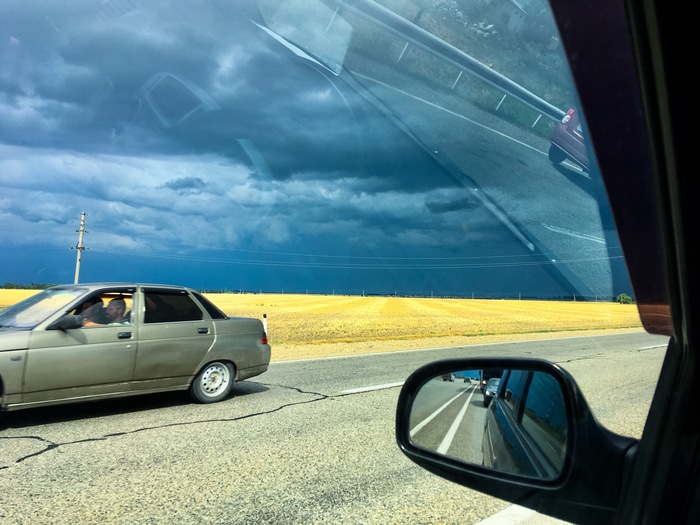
x: 552, y: 233
x: 448, y: 417
x: 487, y: 156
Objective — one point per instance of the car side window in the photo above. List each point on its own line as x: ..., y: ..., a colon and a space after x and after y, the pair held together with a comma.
x: 544, y: 417
x: 163, y: 307
x: 109, y: 308
x: 511, y: 392
x: 211, y: 309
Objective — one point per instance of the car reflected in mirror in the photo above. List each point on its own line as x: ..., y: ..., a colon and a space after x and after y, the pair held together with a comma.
x: 526, y: 426
x: 518, y: 424
x: 491, y: 390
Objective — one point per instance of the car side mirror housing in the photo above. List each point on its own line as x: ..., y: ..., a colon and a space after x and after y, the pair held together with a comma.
x: 66, y: 322
x: 516, y: 429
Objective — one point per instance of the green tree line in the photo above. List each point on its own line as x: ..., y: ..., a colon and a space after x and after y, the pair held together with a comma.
x: 33, y: 286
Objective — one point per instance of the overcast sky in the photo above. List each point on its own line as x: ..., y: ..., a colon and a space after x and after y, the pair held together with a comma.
x: 208, y: 154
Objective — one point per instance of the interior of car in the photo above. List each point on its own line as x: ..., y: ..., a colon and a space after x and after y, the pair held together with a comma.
x: 361, y: 149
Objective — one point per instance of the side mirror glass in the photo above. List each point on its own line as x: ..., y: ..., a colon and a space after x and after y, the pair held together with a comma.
x: 67, y: 322
x: 510, y: 420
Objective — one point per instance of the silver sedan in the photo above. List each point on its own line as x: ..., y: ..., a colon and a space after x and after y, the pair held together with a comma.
x: 94, y: 341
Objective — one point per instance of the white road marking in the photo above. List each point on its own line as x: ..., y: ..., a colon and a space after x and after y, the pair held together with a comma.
x: 653, y: 347
x: 433, y: 415
x: 571, y: 233
x: 447, y: 440
x: 453, y: 113
x: 370, y: 388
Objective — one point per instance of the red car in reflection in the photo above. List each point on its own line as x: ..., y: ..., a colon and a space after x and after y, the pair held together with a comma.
x: 567, y: 142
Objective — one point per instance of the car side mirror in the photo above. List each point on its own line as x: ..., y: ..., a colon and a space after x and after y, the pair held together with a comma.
x: 66, y: 322
x: 517, y: 425
x: 528, y: 437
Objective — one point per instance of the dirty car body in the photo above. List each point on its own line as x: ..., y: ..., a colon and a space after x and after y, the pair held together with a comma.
x: 52, y: 351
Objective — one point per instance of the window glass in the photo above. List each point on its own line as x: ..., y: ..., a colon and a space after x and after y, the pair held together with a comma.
x: 34, y: 309
x: 430, y: 149
x: 105, y: 309
x: 414, y: 156
x: 211, y: 309
x: 164, y: 307
x: 544, y: 417
x: 512, y: 389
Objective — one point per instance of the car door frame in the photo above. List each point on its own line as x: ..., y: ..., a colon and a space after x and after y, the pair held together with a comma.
x: 171, y: 353
x: 79, y: 363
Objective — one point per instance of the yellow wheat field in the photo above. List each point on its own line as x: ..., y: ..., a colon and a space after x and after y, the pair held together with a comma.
x: 304, y: 319
x: 325, y: 323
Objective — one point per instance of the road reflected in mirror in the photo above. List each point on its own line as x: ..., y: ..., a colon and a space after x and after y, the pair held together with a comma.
x: 512, y: 421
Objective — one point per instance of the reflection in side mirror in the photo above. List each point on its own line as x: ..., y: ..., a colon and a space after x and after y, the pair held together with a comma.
x: 535, y: 443
x: 510, y: 420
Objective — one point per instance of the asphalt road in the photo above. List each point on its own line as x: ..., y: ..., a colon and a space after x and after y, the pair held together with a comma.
x: 307, y: 442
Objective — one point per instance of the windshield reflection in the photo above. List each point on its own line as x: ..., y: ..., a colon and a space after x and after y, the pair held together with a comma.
x: 310, y: 150
x: 35, y: 309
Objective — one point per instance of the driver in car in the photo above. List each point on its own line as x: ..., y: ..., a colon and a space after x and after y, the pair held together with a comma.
x: 116, y: 312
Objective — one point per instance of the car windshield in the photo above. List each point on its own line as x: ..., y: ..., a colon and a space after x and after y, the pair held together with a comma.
x: 303, y: 162
x: 35, y: 309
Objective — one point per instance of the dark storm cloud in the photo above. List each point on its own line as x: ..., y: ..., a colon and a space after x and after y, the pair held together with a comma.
x: 182, y: 131
x: 186, y: 185
x: 452, y: 205
x: 306, y: 122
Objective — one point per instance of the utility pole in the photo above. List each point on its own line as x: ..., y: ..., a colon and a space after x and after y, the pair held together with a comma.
x: 79, y: 246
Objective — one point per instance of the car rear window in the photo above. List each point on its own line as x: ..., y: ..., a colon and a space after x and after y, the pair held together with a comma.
x: 209, y: 307
x: 165, y: 306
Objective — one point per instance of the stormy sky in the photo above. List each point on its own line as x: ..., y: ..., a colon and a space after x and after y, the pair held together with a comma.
x: 208, y: 151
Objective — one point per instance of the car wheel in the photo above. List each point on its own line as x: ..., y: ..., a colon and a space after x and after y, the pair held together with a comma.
x: 213, y: 383
x: 556, y: 155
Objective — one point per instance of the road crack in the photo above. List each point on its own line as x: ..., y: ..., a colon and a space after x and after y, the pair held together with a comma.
x: 51, y: 445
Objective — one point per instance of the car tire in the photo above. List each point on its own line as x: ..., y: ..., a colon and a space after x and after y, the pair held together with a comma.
x: 556, y: 156
x: 213, y: 383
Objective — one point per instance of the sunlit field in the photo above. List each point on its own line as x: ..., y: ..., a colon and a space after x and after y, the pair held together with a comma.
x: 303, y: 319
x: 321, y: 319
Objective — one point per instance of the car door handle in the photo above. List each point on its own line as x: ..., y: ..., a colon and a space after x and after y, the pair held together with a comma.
x: 124, y: 335
x: 203, y: 330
